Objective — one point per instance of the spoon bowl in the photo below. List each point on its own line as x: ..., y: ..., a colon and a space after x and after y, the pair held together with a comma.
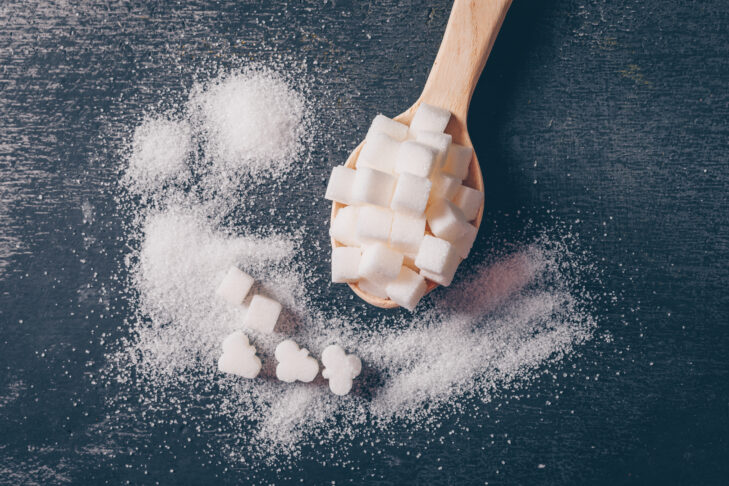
x: 468, y: 39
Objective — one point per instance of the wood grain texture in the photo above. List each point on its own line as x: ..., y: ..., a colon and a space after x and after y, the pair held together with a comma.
x: 467, y: 42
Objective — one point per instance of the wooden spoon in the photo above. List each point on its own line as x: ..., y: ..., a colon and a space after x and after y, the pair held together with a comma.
x: 467, y: 42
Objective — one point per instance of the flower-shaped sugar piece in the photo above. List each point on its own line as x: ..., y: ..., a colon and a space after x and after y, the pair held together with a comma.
x: 340, y: 368
x: 239, y: 356
x: 294, y: 363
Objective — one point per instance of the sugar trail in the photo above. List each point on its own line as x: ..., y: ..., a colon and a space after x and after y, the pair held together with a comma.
x: 498, y: 324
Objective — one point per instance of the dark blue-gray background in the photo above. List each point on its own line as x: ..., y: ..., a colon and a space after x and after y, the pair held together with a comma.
x: 610, y: 116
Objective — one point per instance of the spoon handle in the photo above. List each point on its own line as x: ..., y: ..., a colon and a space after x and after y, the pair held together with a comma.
x: 467, y: 42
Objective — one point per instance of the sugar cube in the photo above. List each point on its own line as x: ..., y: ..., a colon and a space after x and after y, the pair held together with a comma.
x: 294, y: 363
x: 407, y: 289
x: 415, y: 158
x: 436, y: 255
x: 380, y: 264
x: 437, y: 141
x: 262, y: 314
x: 373, y: 187
x: 409, y: 260
x: 465, y: 242
x: 379, y: 152
x: 340, y: 368
x: 239, y: 356
x: 374, y: 224
x: 344, y: 226
x: 458, y: 160
x: 469, y: 201
x: 445, y: 220
x: 382, y: 124
x: 340, y: 185
x: 444, y: 186
x: 443, y: 279
x: 431, y: 118
x: 235, y: 286
x: 372, y: 288
x: 345, y: 264
x: 411, y: 194
x: 407, y: 232
x: 445, y: 276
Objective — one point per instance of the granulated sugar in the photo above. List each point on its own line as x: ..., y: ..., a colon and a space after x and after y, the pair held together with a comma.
x: 251, y: 120
x: 505, y: 319
x: 181, y: 261
x: 160, y: 148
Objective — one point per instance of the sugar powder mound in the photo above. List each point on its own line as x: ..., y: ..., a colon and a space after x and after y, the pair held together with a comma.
x: 504, y: 322
x: 159, y: 152
x: 180, y: 262
x: 251, y: 120
x: 498, y: 325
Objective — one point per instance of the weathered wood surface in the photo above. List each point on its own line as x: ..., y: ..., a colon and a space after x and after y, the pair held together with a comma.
x: 611, y: 116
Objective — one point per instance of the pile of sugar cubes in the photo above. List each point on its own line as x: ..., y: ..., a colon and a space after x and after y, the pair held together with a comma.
x: 294, y: 363
x: 407, y: 215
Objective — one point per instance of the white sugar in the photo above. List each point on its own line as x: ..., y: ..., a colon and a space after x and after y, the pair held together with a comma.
x: 251, y: 120
x: 492, y: 328
x: 181, y: 261
x: 383, y: 124
x: 501, y: 319
x: 159, y: 152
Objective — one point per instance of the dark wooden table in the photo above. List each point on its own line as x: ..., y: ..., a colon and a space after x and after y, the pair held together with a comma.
x: 609, y: 118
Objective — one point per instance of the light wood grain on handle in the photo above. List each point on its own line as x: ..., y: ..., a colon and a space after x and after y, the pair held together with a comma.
x: 470, y: 34
x: 467, y: 42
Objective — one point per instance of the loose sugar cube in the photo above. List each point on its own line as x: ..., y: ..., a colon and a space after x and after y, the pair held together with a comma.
x: 344, y: 226
x: 411, y: 194
x: 239, y: 356
x: 436, y: 255
x: 340, y: 368
x: 465, y: 242
x: 380, y: 264
x: 457, y: 161
x: 388, y: 126
x: 407, y: 232
x: 373, y: 187
x: 372, y: 288
x: 469, y: 200
x: 294, y: 363
x: 444, y: 186
x: 235, y: 286
x: 445, y: 220
x: 407, y: 289
x: 430, y: 118
x: 262, y: 314
x: 373, y: 224
x: 379, y: 152
x: 340, y: 185
x: 415, y: 158
x: 345, y: 264
x: 437, y: 141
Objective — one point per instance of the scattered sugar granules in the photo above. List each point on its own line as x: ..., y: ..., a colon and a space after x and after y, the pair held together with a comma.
x: 501, y: 322
x: 160, y: 148
x: 251, y: 120
x: 180, y: 263
x: 506, y: 319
